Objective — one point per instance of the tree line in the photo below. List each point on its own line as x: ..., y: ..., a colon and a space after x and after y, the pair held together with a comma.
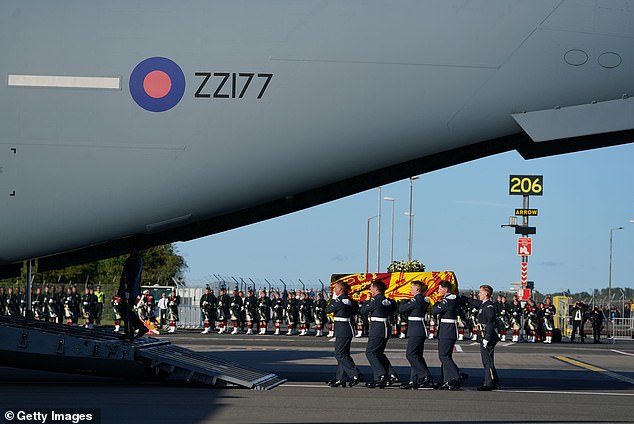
x: 161, y: 265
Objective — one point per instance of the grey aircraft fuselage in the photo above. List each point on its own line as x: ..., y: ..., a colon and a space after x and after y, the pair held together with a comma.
x: 156, y: 120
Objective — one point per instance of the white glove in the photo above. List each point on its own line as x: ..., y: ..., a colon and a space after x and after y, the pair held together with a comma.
x: 485, y: 342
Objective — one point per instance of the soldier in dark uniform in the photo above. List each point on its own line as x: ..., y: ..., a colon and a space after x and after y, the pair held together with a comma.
x: 76, y: 304
x: 447, y: 311
x: 117, y: 312
x: 50, y: 302
x: 381, y: 309
x: 12, y: 307
x: 38, y: 304
x: 87, y: 308
x: 549, y: 320
x: 319, y: 312
x: 223, y: 310
x: 173, y: 301
x: 129, y: 290
x: 530, y: 321
x: 304, y: 309
x: 250, y: 310
x: 264, y: 311
x: 3, y: 301
x: 472, y: 313
x: 416, y: 336
x: 236, y: 311
x: 343, y: 307
x: 277, y: 305
x: 206, y: 302
x: 502, y: 316
x: 292, y: 313
x: 21, y: 299
x: 68, y: 306
x: 516, y: 319
x: 48, y: 294
x: 487, y: 336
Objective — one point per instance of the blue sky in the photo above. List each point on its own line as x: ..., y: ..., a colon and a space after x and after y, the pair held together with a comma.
x: 457, y: 216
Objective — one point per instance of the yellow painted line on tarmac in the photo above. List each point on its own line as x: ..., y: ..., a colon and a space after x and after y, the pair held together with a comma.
x: 580, y: 364
x: 591, y: 367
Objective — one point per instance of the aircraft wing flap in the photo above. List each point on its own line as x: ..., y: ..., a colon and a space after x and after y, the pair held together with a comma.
x: 577, y: 121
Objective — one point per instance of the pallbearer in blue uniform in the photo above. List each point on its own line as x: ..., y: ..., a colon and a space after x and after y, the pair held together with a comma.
x: 380, y: 309
x: 416, y: 336
x: 487, y: 336
x: 344, y: 308
x: 447, y: 311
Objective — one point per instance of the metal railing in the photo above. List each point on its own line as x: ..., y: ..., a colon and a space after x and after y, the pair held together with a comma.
x: 620, y: 328
x: 189, y: 316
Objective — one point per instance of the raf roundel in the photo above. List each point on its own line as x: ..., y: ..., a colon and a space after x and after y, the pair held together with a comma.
x: 157, y: 84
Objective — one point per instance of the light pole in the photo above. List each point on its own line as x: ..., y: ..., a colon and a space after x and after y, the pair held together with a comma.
x: 409, y: 249
x: 367, y: 245
x: 393, y: 200
x: 410, y: 238
x: 610, y: 274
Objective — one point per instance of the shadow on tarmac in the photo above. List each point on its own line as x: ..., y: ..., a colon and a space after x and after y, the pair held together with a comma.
x: 287, y: 364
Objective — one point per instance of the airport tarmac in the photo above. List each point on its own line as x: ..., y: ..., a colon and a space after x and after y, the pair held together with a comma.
x: 558, y: 383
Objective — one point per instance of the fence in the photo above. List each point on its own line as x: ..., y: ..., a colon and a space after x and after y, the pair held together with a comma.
x: 216, y: 281
x: 189, y: 316
x: 620, y: 328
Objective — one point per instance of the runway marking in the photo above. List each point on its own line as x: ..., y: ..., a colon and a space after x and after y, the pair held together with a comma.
x: 508, y: 344
x: 622, y: 353
x: 474, y: 343
x: 580, y: 364
x: 560, y: 392
x: 458, y: 348
x: 596, y: 369
x: 557, y: 392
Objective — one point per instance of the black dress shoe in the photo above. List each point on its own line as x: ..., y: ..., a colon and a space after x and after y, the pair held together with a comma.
x: 336, y: 383
x: 485, y: 388
x: 356, y: 380
x: 371, y: 384
x: 383, y: 382
x: 450, y: 385
x: 427, y: 382
x: 393, y: 380
x: 412, y: 385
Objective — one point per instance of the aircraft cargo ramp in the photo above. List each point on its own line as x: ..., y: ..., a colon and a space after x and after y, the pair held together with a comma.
x: 62, y: 348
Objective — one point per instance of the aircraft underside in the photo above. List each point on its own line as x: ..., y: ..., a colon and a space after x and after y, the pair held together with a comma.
x: 117, y: 131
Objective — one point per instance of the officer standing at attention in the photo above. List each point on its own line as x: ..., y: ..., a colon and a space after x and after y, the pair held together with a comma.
x: 343, y: 308
x: 447, y: 311
x: 416, y: 335
x: 129, y: 290
x: 381, y: 309
x: 206, y: 303
x: 487, y: 336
